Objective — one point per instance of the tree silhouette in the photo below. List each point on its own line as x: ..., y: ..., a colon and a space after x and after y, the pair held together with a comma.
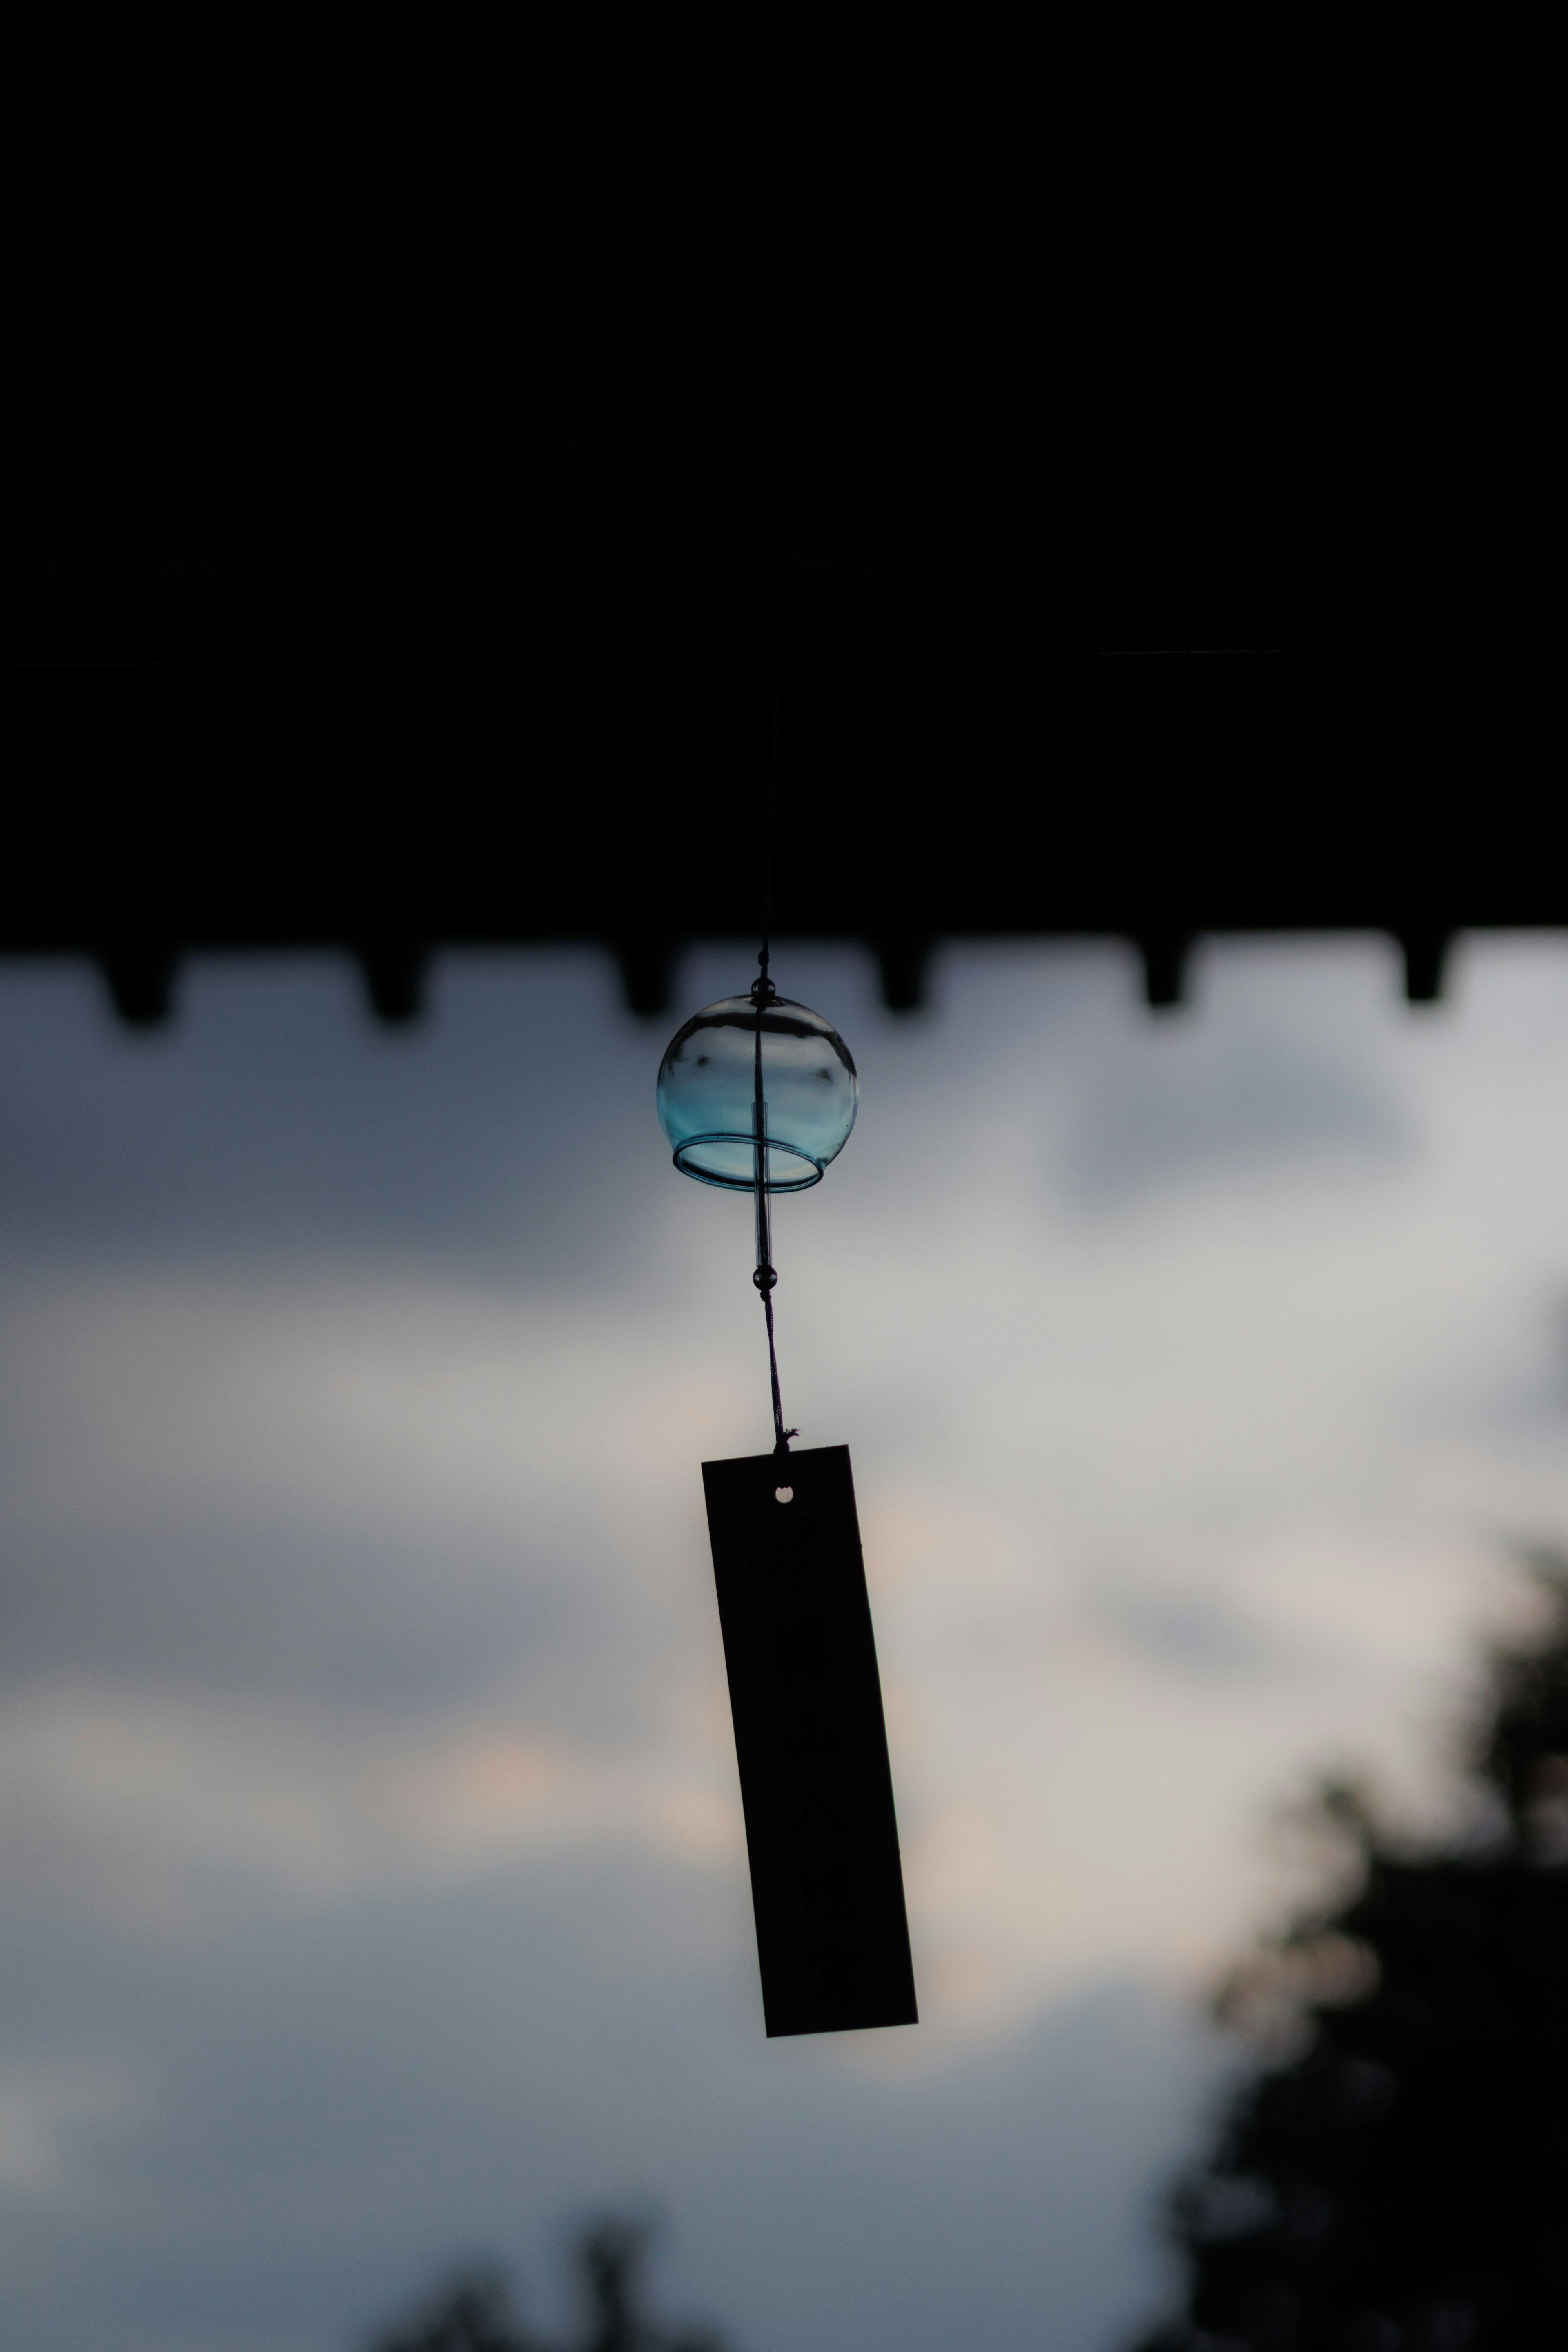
x: 1395, y: 2179
x: 474, y: 2310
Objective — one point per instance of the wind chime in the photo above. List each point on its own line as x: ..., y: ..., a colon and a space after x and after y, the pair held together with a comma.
x: 758, y: 1094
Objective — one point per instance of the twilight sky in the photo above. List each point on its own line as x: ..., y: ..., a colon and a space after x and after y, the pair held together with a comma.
x: 371, y: 1872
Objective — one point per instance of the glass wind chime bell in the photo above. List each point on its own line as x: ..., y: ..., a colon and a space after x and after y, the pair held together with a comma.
x: 758, y: 1094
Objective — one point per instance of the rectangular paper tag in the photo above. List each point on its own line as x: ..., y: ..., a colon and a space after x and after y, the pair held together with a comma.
x: 828, y: 1890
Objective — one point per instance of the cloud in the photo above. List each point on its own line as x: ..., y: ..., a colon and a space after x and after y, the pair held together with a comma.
x: 368, y: 1832
x: 322, y: 2113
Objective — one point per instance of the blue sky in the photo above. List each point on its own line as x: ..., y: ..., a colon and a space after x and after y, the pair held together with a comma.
x: 369, y: 1848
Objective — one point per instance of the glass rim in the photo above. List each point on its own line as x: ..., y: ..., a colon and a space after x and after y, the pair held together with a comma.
x: 749, y: 1183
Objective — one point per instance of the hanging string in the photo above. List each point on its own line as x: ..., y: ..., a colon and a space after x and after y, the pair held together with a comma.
x: 762, y: 994
x: 770, y: 825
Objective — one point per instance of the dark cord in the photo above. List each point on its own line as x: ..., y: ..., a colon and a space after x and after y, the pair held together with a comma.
x: 772, y: 809
x: 762, y: 994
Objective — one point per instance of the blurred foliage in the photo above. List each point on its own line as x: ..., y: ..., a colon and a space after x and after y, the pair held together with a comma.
x: 1393, y: 2176
x: 474, y: 2311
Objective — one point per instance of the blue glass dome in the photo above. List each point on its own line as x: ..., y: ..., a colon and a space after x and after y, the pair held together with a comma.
x: 707, y: 1095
